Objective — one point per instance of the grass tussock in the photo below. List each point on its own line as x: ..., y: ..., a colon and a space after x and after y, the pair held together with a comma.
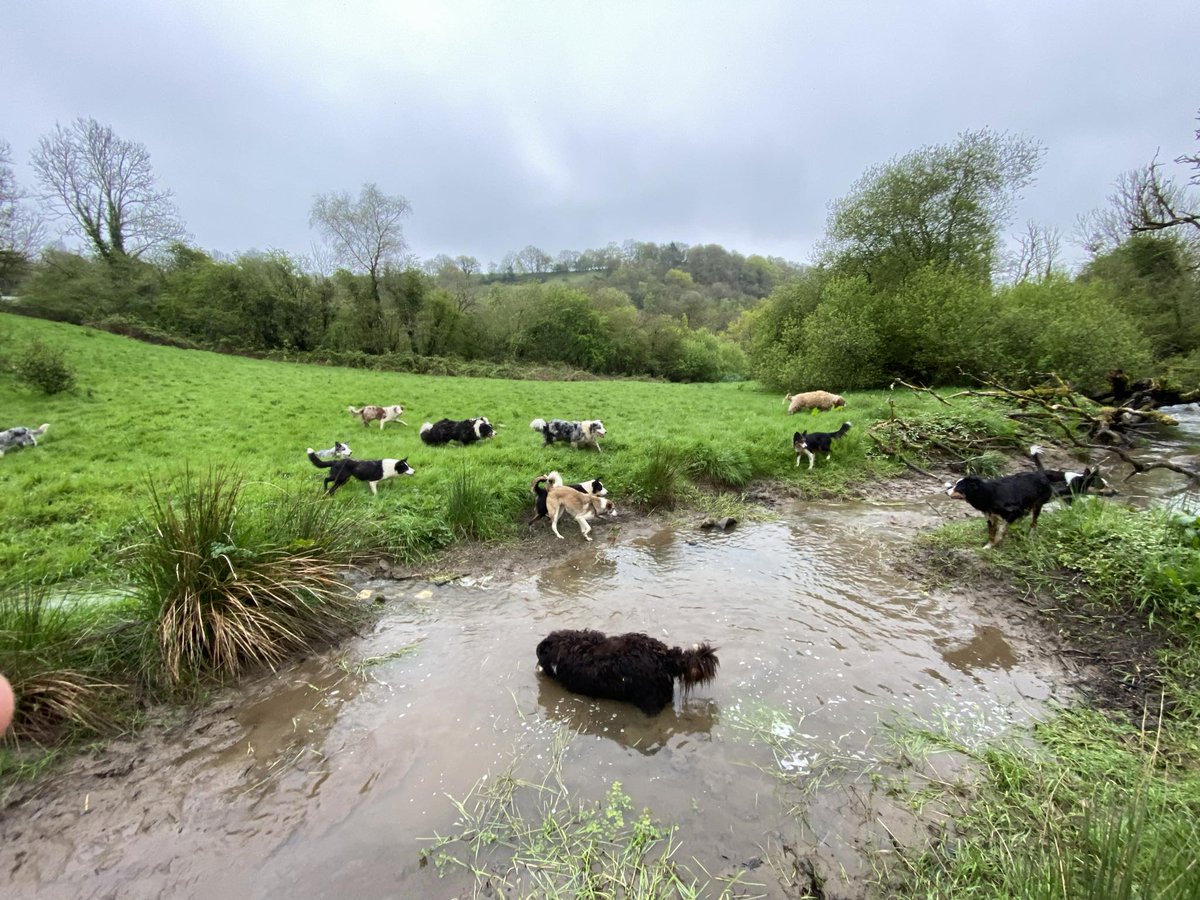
x: 1091, y: 809
x: 52, y: 652
x: 219, y: 595
x: 529, y: 838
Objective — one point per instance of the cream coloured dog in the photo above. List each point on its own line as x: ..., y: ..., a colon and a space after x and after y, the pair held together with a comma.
x: 576, y: 504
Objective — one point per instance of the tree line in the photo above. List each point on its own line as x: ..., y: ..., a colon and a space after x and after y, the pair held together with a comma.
x: 911, y: 280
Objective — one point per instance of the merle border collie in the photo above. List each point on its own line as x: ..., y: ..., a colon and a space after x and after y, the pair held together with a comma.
x: 634, y: 667
x: 372, y: 471
x: 382, y: 414
x: 575, y: 433
x: 20, y: 436
x: 465, y: 431
x: 1067, y: 486
x: 811, y: 443
x: 339, y: 450
x: 1004, y: 500
x: 541, y: 485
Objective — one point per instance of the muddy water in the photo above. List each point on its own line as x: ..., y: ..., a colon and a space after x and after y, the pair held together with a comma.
x: 328, y: 780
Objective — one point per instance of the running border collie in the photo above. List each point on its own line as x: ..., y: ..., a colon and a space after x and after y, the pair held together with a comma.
x: 383, y: 414
x: 1004, y: 500
x: 553, y: 479
x: 465, y: 431
x: 1067, y: 486
x: 372, y: 471
x: 634, y: 668
x: 337, y: 451
x: 811, y: 443
x: 20, y: 436
x: 575, y: 433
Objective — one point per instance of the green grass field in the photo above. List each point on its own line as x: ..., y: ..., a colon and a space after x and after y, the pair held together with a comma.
x: 143, y: 414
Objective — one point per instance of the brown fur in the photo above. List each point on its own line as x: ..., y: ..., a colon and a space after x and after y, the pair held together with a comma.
x: 822, y: 400
x: 578, y: 505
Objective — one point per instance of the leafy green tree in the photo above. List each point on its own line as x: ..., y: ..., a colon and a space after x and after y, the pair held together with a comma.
x: 942, y: 205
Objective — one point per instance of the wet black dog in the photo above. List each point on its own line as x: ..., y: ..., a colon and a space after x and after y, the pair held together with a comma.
x: 816, y: 442
x: 1004, y: 500
x: 372, y: 471
x: 634, y: 667
x: 465, y: 431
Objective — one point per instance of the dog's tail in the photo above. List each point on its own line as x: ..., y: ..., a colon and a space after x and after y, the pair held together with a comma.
x: 542, y: 484
x: 1035, y: 452
x: 41, y: 430
x: 538, y: 424
x: 696, y: 666
x: 316, y: 460
x: 554, y: 478
x: 845, y: 427
x: 353, y: 411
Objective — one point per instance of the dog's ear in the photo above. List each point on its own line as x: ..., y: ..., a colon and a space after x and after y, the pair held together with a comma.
x: 797, y: 436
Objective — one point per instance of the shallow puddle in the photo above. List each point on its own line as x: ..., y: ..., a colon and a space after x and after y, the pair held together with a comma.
x: 330, y: 779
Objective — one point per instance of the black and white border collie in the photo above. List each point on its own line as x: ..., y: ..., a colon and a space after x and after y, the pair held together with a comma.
x: 465, y: 431
x: 337, y: 451
x: 635, y: 668
x: 811, y: 443
x: 1004, y: 500
x: 1069, y: 485
x: 372, y: 471
x: 541, y: 486
x: 20, y: 436
x: 575, y: 433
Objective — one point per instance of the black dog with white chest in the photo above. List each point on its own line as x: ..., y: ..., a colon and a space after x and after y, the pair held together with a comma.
x: 635, y: 668
x: 1004, y: 500
x: 372, y: 471
x: 817, y: 442
x: 465, y: 431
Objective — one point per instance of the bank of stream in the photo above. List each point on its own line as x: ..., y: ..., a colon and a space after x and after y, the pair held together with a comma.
x: 330, y: 778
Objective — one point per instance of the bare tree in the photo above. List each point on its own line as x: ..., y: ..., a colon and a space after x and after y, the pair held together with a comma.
x: 1040, y: 249
x: 364, y: 234
x: 105, y: 185
x: 22, y: 230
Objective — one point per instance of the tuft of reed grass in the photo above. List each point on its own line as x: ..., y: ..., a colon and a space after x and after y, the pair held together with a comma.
x: 222, y: 594
x: 718, y: 465
x: 659, y: 478
x: 472, y: 507
x: 51, y: 651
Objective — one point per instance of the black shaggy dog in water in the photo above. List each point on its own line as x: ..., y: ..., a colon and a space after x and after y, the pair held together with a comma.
x: 635, y: 668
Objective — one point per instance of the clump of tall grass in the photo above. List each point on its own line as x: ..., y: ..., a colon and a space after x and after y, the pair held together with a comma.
x: 473, y: 509
x: 658, y: 478
x: 221, y: 592
x: 51, y: 651
x: 718, y: 465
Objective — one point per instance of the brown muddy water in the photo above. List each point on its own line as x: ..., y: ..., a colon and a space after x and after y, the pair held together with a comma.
x: 329, y: 779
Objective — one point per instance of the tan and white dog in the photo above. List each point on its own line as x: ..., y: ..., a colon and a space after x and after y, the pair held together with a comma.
x: 578, y: 505
x: 383, y: 414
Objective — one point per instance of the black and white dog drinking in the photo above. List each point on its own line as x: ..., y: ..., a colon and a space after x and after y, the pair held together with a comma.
x: 465, y: 431
x: 635, y: 668
x: 1069, y: 485
x: 810, y: 444
x: 576, y: 434
x: 372, y: 471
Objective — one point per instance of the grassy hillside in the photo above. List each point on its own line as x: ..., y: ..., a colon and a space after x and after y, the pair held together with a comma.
x: 142, y: 413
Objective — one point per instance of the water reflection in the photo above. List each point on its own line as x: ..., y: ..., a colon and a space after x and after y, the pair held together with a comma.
x: 624, y: 723
x: 988, y: 649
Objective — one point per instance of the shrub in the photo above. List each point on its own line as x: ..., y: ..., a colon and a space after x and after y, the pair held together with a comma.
x: 718, y: 465
x: 659, y: 478
x: 45, y: 367
x: 222, y: 595
x: 472, y: 507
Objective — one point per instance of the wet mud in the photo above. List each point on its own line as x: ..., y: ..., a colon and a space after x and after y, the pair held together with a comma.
x: 329, y: 778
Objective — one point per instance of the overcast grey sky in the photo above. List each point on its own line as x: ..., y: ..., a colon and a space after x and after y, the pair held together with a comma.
x: 571, y: 125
